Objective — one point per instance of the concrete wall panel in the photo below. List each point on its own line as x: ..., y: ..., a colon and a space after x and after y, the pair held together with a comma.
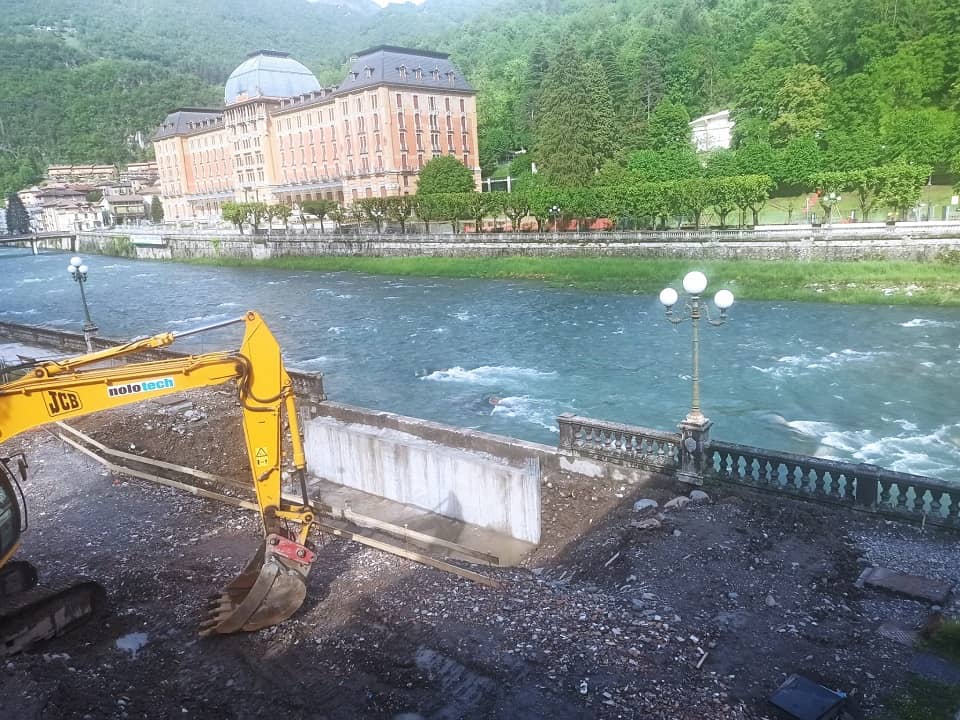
x: 479, y: 488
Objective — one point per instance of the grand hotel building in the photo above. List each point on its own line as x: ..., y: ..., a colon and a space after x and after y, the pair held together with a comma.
x: 281, y: 137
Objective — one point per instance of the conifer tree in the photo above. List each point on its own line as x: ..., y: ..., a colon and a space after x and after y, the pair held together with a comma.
x: 575, y: 122
x: 18, y: 219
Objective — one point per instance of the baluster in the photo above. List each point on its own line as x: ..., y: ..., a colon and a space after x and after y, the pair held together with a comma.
x: 617, y: 442
x: 935, y: 505
x: 886, y: 490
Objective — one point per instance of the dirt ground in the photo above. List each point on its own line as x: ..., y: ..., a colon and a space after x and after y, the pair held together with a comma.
x: 605, y: 620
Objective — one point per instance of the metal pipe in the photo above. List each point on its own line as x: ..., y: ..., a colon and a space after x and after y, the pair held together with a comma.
x: 213, y: 326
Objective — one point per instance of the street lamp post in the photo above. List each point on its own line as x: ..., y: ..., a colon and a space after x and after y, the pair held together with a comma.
x: 695, y: 427
x: 555, y: 214
x: 832, y: 200
x: 78, y: 271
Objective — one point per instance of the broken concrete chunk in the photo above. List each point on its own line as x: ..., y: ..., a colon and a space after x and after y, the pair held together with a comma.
x: 646, y: 504
x: 678, y: 503
x: 648, y: 524
x: 912, y: 586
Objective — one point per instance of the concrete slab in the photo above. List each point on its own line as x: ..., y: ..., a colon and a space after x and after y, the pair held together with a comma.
x: 509, y: 550
x: 935, y: 668
x: 928, y: 590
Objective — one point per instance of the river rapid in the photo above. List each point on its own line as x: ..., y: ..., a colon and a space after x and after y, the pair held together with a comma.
x: 864, y: 383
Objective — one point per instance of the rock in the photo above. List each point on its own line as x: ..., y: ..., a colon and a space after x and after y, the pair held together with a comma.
x: 648, y: 524
x: 699, y: 496
x: 678, y: 503
x: 732, y: 595
x: 770, y: 601
x: 677, y: 533
x: 584, y: 688
x: 645, y: 504
x: 648, y: 596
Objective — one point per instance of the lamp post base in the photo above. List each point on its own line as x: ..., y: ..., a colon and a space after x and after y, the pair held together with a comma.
x: 694, y: 438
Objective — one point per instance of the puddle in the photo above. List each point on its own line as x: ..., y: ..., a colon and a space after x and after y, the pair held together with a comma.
x: 132, y: 642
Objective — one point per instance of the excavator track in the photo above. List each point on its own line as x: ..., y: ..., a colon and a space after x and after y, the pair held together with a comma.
x: 30, y: 613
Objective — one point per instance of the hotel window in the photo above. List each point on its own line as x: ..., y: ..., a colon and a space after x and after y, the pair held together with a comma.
x: 363, y: 143
x: 435, y: 73
x: 432, y: 102
x: 416, y: 102
x: 400, y: 121
x: 449, y: 124
x: 376, y: 140
x: 299, y: 121
x: 464, y: 143
x: 403, y: 140
x: 451, y: 78
x: 416, y: 121
x: 359, y: 104
x: 344, y: 107
x: 466, y: 159
x: 360, y: 125
x: 373, y: 102
x: 446, y: 104
x: 403, y: 72
x: 435, y: 141
x: 463, y: 124
x: 349, y: 146
x: 364, y: 164
x: 462, y: 105
x: 403, y: 161
x: 288, y: 124
x: 399, y: 100
x: 303, y: 156
x: 376, y: 123
x: 450, y: 142
x: 330, y: 113
x: 368, y: 72
x: 321, y: 134
x: 418, y: 73
x: 420, y: 141
x: 420, y: 161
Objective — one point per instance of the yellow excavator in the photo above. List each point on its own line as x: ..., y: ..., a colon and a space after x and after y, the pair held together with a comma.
x: 273, y: 584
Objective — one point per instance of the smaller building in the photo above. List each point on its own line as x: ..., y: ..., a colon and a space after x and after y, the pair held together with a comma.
x: 712, y: 132
x: 81, y: 173
x: 123, y: 209
x: 140, y: 175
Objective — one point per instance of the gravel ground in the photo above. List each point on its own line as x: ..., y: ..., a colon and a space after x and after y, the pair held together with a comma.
x: 702, y: 616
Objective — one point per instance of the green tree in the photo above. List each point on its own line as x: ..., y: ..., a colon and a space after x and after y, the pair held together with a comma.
x: 604, y: 119
x: 281, y: 212
x: 692, y: 197
x: 338, y: 214
x: 236, y: 213
x: 319, y: 209
x: 568, y: 124
x: 800, y: 161
x: 668, y: 127
x: 375, y: 209
x: 801, y: 104
x: 156, y: 210
x: 477, y: 206
x: 721, y: 163
x: 675, y: 163
x: 516, y: 206
x: 399, y: 210
x: 452, y: 207
x: 866, y: 183
x: 18, y: 219
x: 427, y: 209
x: 723, y: 196
x: 257, y: 212
x: 445, y: 174
x: 900, y: 185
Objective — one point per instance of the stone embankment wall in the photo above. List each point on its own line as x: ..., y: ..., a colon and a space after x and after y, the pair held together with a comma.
x: 900, y: 242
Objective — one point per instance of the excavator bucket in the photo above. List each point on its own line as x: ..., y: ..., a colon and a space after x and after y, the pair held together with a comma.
x: 269, y: 590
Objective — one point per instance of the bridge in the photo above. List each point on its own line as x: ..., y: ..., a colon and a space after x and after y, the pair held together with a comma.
x: 66, y: 240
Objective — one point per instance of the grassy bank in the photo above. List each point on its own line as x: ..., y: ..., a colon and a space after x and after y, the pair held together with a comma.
x: 874, y: 282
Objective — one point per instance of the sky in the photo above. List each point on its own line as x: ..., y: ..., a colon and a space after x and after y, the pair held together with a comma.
x: 383, y: 3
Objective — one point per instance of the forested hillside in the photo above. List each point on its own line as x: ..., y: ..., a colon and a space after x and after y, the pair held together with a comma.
x: 843, y: 84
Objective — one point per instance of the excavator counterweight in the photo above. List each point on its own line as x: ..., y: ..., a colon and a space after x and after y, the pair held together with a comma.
x: 272, y: 586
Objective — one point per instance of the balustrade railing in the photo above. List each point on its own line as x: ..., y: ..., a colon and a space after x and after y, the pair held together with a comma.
x: 622, y: 444
x: 858, y: 486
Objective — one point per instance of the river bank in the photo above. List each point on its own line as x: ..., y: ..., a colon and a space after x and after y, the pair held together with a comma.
x: 863, y: 283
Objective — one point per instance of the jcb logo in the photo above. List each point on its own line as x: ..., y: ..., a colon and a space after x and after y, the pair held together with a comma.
x: 61, y: 401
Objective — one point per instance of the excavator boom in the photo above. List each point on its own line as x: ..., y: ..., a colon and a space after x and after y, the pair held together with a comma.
x: 273, y: 584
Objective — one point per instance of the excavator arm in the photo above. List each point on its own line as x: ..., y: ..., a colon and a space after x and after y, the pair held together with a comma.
x: 272, y: 586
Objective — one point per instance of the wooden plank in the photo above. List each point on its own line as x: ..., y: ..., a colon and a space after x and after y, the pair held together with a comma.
x: 409, y: 555
x: 344, y: 513
x: 406, y: 533
x: 192, y: 489
x: 322, y: 526
x: 150, y: 461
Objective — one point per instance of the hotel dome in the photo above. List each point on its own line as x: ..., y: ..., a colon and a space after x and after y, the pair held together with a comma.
x: 268, y: 73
